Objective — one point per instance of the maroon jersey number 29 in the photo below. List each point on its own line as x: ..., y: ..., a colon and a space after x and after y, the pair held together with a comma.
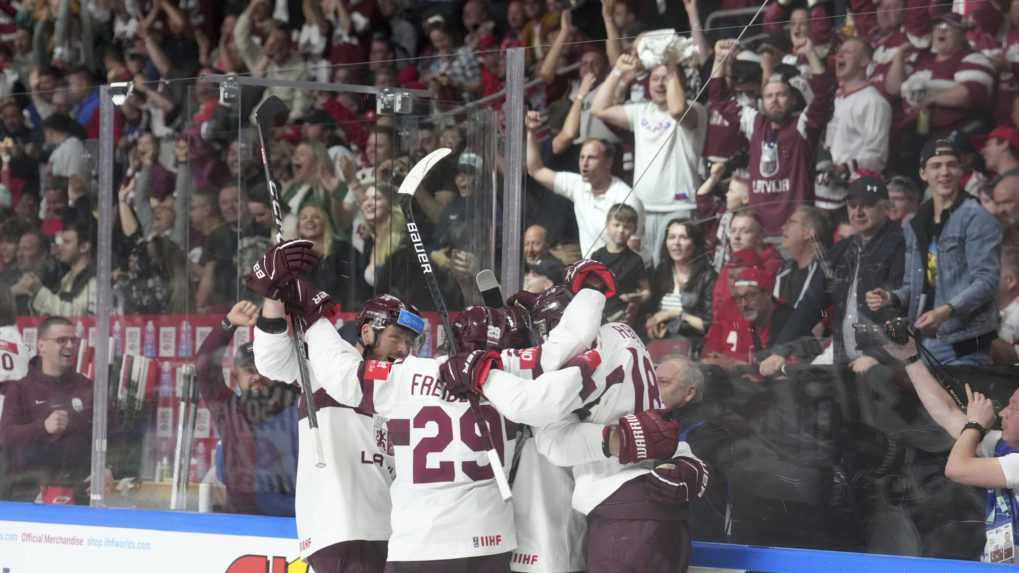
x: 470, y: 435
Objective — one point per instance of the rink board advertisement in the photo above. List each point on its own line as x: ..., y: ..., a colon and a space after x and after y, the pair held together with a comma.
x: 39, y: 546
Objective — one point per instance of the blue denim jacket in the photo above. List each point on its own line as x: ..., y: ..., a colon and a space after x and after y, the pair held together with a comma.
x: 969, y: 262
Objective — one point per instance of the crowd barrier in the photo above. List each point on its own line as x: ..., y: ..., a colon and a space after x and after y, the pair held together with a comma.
x: 64, y: 538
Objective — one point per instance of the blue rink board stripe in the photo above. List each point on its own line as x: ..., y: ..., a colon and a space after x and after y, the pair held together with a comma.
x: 184, y: 522
x: 740, y: 557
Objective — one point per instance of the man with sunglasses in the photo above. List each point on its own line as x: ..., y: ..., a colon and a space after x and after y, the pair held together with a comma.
x: 46, y: 428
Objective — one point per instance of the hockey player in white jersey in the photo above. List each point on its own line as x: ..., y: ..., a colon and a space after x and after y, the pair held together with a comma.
x: 14, y: 353
x: 342, y: 510
x: 636, y: 508
x: 447, y: 510
x: 550, y: 533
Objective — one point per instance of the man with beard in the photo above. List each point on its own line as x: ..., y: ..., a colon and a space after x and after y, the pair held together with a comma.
x: 75, y: 294
x: 783, y: 141
x: 258, y: 425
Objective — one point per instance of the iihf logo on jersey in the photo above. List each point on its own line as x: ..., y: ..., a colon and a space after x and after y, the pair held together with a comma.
x: 487, y: 541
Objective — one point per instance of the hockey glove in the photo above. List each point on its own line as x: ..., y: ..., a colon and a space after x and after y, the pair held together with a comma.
x: 280, y: 265
x: 587, y: 273
x: 680, y: 479
x: 522, y: 300
x: 309, y: 302
x: 646, y: 436
x: 465, y: 373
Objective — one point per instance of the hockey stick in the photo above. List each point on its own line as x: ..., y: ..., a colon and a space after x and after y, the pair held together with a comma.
x: 491, y: 292
x: 265, y: 115
x: 407, y: 189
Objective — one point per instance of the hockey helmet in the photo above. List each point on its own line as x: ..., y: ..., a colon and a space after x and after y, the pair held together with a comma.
x: 486, y: 328
x: 548, y: 310
x: 384, y: 310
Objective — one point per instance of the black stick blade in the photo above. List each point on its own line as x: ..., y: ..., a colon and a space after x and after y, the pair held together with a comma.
x: 491, y: 292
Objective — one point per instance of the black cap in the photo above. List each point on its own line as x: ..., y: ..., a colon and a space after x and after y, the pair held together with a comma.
x: 868, y: 189
x: 938, y: 147
x: 548, y: 267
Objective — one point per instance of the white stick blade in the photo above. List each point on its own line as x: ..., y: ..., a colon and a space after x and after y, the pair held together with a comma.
x: 417, y: 173
x: 500, y: 475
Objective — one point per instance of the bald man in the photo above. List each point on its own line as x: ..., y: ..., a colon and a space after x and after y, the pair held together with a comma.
x: 535, y: 244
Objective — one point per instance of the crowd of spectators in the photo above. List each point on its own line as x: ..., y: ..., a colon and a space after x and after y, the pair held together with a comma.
x: 762, y: 200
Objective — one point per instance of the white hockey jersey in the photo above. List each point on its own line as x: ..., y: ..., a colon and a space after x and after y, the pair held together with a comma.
x: 14, y: 356
x: 626, y: 383
x: 348, y: 499
x: 550, y: 533
x: 446, y: 504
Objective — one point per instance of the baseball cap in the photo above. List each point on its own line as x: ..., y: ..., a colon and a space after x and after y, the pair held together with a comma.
x: 870, y: 189
x: 755, y: 277
x: 548, y: 267
x: 1003, y: 132
x: 469, y: 162
x: 936, y: 148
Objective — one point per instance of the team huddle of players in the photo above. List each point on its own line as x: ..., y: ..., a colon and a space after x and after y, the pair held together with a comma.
x: 600, y: 480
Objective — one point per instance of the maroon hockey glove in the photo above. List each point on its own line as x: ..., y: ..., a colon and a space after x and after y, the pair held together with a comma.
x: 280, y: 265
x: 647, y: 436
x: 680, y: 479
x: 465, y: 373
x: 522, y: 300
x: 309, y: 302
x: 587, y: 273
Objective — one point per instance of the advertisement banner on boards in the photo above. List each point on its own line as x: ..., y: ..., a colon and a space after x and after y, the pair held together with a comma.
x: 31, y: 547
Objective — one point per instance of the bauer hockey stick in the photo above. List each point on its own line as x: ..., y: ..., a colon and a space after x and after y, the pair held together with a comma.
x: 407, y: 189
x: 265, y: 116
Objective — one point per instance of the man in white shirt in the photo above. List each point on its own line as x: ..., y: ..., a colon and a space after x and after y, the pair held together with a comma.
x: 593, y: 191
x: 857, y: 135
x: 68, y: 157
x: 669, y: 133
x: 981, y: 458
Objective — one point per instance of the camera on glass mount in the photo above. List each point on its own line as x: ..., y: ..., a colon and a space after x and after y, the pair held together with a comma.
x: 394, y: 102
x: 899, y: 330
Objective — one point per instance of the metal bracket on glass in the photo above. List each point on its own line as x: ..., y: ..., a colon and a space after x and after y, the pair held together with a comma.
x: 229, y: 92
x: 394, y: 102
